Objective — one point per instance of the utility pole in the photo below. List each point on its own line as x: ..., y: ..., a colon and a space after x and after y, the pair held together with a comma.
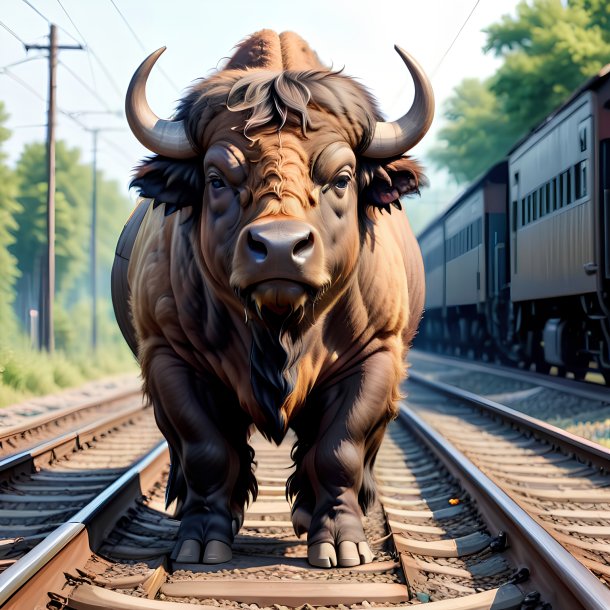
x: 94, y: 246
x: 47, y: 338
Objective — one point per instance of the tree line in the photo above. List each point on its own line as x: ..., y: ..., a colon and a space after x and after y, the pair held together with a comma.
x: 23, y: 192
x: 549, y: 49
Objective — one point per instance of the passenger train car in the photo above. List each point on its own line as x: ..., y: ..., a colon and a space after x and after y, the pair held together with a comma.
x: 518, y: 267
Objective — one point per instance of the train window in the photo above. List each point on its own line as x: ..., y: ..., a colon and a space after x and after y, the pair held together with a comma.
x: 569, y: 186
x: 562, y: 190
x: 582, y: 136
x: 555, y: 189
x: 580, y: 179
x: 547, y: 197
x: 528, y: 218
x: 523, y: 211
x: 515, y: 214
x: 535, y: 205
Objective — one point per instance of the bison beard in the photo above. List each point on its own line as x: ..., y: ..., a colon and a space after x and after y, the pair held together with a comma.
x: 263, y: 282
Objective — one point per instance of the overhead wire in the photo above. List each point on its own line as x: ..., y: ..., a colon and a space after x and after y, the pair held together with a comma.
x: 21, y: 61
x: 12, y: 33
x: 23, y: 83
x: 84, y: 41
x: 399, y: 94
x: 105, y: 70
x: 141, y: 44
x: 49, y: 22
x: 116, y: 147
x: 71, y: 115
x: 438, y: 65
x: 86, y: 85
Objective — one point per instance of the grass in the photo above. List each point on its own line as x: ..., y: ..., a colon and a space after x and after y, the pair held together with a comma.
x: 25, y: 372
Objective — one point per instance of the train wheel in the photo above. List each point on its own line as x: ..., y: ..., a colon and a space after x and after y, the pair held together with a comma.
x: 543, y: 367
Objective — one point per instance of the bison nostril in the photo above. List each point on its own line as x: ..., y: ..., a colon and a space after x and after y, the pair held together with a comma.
x: 303, y: 246
x: 258, y: 247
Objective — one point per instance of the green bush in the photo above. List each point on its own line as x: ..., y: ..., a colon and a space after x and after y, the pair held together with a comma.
x: 25, y: 372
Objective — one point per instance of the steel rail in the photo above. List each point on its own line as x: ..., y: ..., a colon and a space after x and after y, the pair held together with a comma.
x: 554, y: 570
x: 585, y: 450
x: 583, y: 389
x: 25, y: 461
x: 52, y: 417
x: 98, y: 518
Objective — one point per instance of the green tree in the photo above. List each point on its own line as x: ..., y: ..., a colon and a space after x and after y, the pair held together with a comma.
x: 549, y: 50
x: 476, y: 134
x: 73, y: 185
x: 72, y: 238
x: 113, y: 209
x: 9, y: 208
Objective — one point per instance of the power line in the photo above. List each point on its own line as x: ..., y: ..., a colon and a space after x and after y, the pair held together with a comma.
x: 66, y: 113
x: 12, y: 33
x: 36, y: 10
x: 400, y: 92
x: 72, y: 22
x: 456, y: 37
x: 107, y: 72
x: 86, y: 85
x: 49, y: 22
x: 120, y: 150
x: 21, y: 61
x: 84, y: 40
x: 89, y: 50
x: 23, y: 84
x: 133, y: 32
x: 142, y: 45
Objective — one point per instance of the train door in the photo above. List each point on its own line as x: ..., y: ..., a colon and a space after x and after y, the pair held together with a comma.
x: 514, y: 220
x: 604, y: 173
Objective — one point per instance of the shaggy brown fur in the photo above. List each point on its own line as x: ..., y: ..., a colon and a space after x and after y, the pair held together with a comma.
x: 270, y: 287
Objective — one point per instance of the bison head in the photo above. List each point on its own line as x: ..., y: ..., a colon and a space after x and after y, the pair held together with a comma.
x: 285, y: 166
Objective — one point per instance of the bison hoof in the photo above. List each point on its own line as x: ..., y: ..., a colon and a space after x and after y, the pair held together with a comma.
x: 347, y: 555
x: 190, y: 552
x: 322, y: 555
x: 215, y: 552
x: 301, y: 520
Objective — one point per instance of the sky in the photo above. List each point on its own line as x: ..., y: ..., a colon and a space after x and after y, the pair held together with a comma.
x: 356, y: 35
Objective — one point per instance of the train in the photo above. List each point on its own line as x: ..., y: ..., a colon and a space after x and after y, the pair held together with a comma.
x: 518, y: 266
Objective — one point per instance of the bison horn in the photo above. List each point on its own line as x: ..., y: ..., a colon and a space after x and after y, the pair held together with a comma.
x: 163, y: 137
x: 396, y: 137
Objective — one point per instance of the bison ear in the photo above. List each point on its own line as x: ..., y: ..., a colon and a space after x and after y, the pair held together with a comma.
x: 386, y: 182
x: 177, y: 183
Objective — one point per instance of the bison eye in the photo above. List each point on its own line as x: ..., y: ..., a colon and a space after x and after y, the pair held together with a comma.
x: 217, y: 183
x: 342, y: 182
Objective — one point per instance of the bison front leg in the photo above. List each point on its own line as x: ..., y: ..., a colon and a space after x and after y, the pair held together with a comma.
x: 333, y: 482
x: 208, y: 434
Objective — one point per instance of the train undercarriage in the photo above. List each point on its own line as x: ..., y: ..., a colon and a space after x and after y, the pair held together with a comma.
x: 569, y: 335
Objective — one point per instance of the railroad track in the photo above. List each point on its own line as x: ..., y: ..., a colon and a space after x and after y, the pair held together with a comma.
x: 444, y: 534
x: 575, y: 406
x: 26, y: 426
x: 45, y: 484
x: 560, y: 479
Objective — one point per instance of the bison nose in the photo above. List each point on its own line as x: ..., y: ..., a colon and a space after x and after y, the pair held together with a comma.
x: 288, y: 240
x: 279, y: 248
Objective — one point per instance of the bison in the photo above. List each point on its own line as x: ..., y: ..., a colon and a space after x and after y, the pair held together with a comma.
x: 264, y: 283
